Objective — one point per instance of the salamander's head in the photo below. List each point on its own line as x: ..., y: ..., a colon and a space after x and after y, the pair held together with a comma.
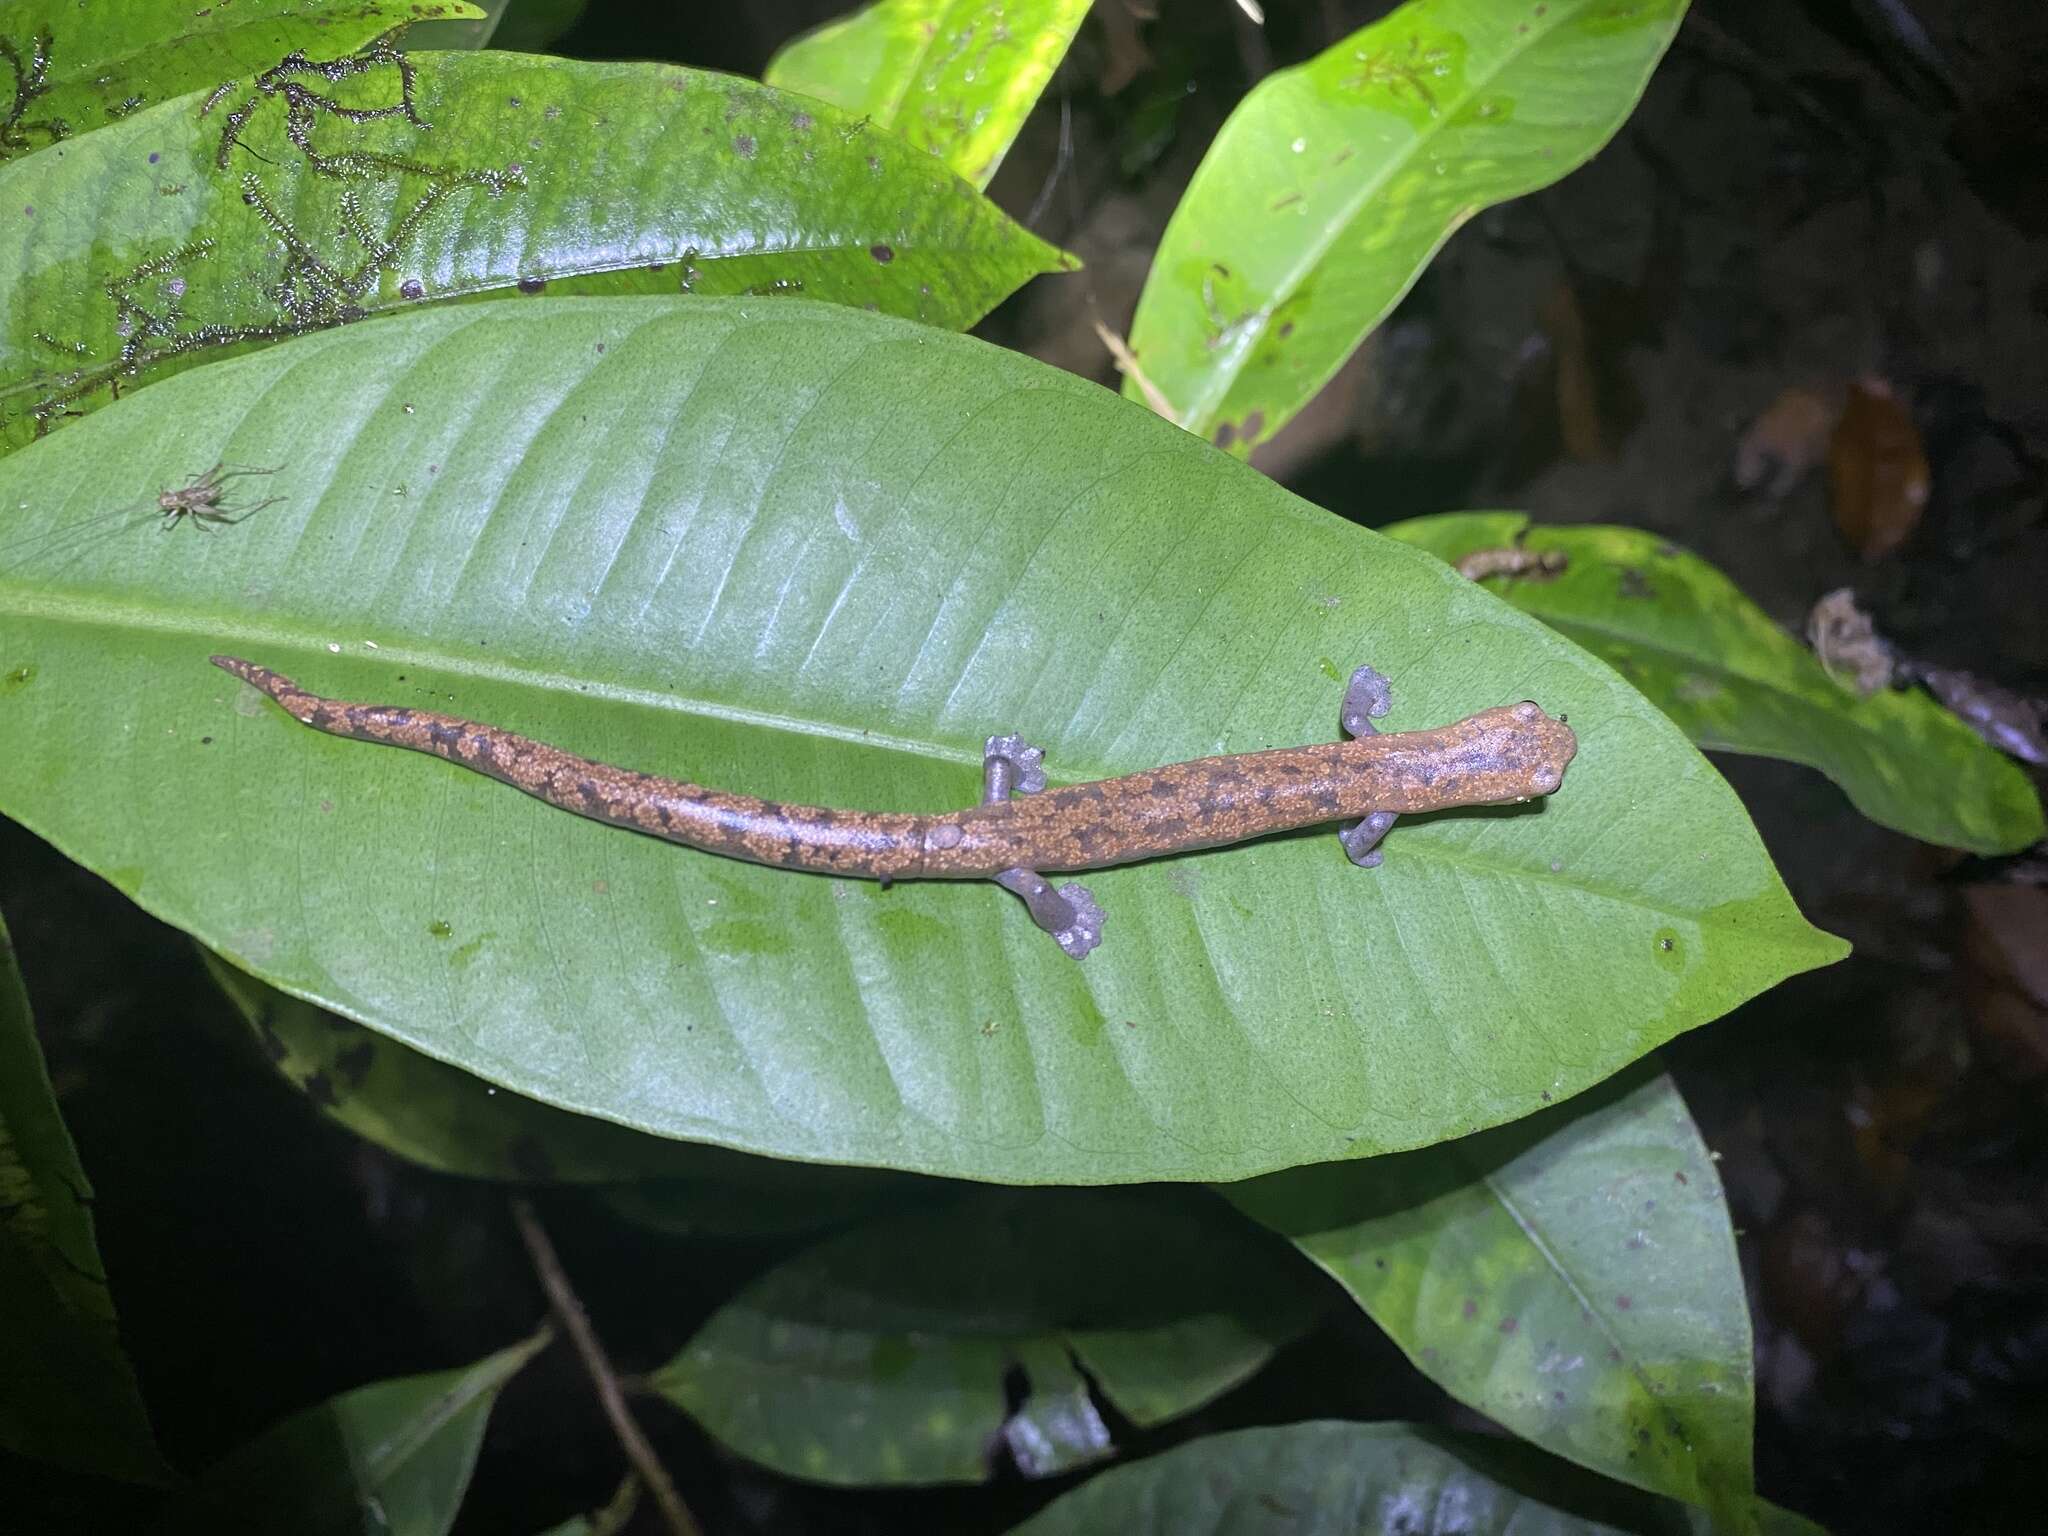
x: 1518, y: 752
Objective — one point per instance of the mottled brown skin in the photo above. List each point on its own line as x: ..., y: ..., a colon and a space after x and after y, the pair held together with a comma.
x: 1495, y: 757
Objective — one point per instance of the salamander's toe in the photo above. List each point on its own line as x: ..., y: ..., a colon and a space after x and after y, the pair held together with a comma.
x: 1026, y: 762
x: 1361, y: 839
x: 1086, y: 930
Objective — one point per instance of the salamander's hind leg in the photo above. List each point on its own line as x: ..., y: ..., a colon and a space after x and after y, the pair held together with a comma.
x: 1069, y: 914
x: 1368, y: 697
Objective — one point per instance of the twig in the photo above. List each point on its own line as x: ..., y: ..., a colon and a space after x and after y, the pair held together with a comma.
x: 1127, y: 364
x: 576, y: 1323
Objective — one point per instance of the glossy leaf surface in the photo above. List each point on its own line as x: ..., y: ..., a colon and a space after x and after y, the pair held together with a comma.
x: 67, y: 1392
x: 819, y: 555
x: 76, y: 67
x: 135, y: 251
x: 1333, y: 183
x: 1734, y: 682
x: 885, y: 1355
x: 1573, y: 1277
x: 1328, y: 1478
x: 955, y: 77
x: 442, y: 1118
x: 394, y: 1456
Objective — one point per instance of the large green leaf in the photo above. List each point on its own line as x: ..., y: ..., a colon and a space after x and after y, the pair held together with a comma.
x: 955, y: 77
x: 1336, y: 1479
x: 67, y: 1393
x: 1573, y: 1277
x: 442, y: 1118
x: 77, y: 67
x: 394, y: 1457
x: 1735, y: 682
x: 136, y: 254
x: 884, y: 1355
x: 819, y: 555
x: 1333, y: 184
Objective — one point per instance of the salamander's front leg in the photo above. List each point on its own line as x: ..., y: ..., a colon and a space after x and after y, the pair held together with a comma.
x: 1368, y: 697
x: 1069, y: 914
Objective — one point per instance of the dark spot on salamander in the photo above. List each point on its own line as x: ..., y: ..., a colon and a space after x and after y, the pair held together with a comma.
x: 412, y: 288
x: 532, y: 284
x: 882, y: 254
x: 320, y: 1089
x: 1226, y: 433
x: 591, y: 794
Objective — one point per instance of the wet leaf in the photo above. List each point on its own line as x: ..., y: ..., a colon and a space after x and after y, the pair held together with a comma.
x: 442, y: 1118
x: 1333, y: 183
x: 1573, y: 1277
x: 1734, y: 682
x: 136, y: 253
x: 394, y: 1456
x: 78, y: 67
x: 882, y: 1356
x: 955, y: 77
x: 67, y: 1392
x: 1337, y: 1479
x: 821, y: 555
x: 1877, y: 471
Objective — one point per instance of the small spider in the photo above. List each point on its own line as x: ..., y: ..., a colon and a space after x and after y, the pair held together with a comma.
x: 198, y: 500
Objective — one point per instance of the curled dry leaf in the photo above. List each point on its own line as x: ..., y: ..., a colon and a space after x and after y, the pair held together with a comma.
x: 1514, y: 561
x: 1848, y: 644
x: 1783, y: 445
x: 1877, y: 471
x: 2011, y: 722
x: 1858, y: 657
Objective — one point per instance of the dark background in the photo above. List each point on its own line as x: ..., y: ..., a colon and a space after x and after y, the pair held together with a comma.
x: 1812, y: 191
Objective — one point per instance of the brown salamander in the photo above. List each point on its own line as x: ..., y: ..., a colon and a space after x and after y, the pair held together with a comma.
x: 1495, y: 757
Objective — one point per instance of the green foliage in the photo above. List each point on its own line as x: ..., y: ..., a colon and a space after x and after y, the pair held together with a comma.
x: 76, y: 68
x: 394, y: 1456
x: 1335, y: 1479
x: 1573, y: 1277
x: 1735, y: 682
x: 819, y: 555
x: 955, y: 77
x: 881, y: 1356
x: 1333, y: 184
x: 441, y: 1117
x: 67, y: 1393
x: 139, y: 255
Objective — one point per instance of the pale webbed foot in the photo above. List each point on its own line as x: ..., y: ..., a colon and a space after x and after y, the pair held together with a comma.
x: 1009, y: 763
x: 1069, y: 914
x: 1367, y: 697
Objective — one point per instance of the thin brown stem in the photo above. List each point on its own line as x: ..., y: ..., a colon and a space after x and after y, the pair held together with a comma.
x: 576, y: 1323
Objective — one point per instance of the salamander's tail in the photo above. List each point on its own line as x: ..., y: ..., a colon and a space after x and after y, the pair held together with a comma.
x: 296, y: 701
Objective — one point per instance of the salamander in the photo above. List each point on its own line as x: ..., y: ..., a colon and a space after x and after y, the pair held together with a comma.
x: 1495, y: 757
